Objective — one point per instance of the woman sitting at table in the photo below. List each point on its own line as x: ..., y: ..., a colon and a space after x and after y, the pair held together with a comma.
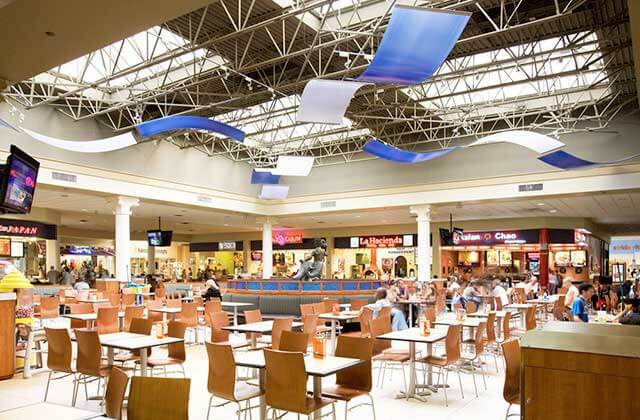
x: 398, y: 321
x: 213, y: 291
x: 631, y: 313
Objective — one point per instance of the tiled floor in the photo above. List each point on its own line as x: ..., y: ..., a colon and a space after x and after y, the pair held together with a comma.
x: 489, y: 405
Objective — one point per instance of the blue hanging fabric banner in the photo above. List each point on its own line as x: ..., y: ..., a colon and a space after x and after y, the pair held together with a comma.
x: 415, y: 44
x: 377, y: 148
x: 185, y: 122
x: 564, y: 160
x: 264, y: 177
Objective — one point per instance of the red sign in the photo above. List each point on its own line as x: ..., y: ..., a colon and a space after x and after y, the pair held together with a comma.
x: 27, y: 228
x: 498, y: 237
x: 287, y: 237
x: 18, y: 230
x: 381, y: 241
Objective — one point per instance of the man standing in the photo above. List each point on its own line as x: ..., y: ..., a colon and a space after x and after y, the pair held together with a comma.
x: 53, y: 275
x: 579, y: 308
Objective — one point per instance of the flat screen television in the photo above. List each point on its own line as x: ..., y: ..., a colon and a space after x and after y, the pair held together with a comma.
x: 159, y: 237
x: 445, y: 237
x: 18, y: 182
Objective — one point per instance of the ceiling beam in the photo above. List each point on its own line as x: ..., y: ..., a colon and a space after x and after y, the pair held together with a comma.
x: 634, y: 25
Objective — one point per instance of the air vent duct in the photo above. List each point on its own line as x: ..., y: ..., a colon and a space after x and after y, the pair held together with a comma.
x: 327, y: 204
x: 60, y: 176
x: 204, y: 199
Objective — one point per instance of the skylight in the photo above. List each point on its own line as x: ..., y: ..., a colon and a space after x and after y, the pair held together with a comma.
x: 527, y: 76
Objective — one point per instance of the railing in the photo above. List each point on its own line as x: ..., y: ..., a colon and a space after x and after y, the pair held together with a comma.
x: 311, y: 287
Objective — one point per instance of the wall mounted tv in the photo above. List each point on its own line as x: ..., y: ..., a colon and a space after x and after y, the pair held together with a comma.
x: 159, y: 237
x: 18, y: 184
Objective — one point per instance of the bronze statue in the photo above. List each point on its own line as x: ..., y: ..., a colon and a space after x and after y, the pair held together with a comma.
x: 311, y: 267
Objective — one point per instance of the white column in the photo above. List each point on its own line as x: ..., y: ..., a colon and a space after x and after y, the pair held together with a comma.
x: 123, y: 213
x: 52, y: 256
x: 424, y: 248
x: 151, y: 259
x: 267, y: 250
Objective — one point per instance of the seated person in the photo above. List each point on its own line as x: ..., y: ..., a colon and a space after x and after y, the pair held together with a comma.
x: 631, y: 313
x: 81, y: 285
x: 579, y: 307
x: 212, y: 291
x: 499, y: 292
x: 398, y: 321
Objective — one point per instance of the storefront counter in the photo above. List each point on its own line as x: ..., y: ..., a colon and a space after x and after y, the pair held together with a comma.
x: 285, y: 286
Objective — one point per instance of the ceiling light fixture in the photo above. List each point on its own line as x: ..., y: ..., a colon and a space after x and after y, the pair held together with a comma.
x: 541, y: 204
x: 553, y: 211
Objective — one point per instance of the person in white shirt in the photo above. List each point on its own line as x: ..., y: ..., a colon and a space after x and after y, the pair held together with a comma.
x: 572, y: 292
x: 499, y: 292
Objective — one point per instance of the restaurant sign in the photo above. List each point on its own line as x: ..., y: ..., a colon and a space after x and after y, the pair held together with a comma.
x: 27, y: 229
x: 498, y: 237
x: 284, y: 237
x: 383, y: 241
x: 227, y: 246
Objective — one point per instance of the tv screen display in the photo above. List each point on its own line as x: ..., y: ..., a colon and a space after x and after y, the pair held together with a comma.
x: 159, y: 237
x: 445, y: 237
x: 17, y: 249
x: 19, y: 182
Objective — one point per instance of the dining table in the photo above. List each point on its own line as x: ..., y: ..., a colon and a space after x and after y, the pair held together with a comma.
x: 134, y: 342
x: 254, y: 328
x: 91, y: 317
x: 317, y: 367
x: 413, y: 336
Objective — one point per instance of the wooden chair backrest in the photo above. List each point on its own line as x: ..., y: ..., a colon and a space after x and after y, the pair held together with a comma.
x: 140, y: 326
x: 252, y: 316
x: 430, y: 313
x: 498, y: 303
x: 212, y: 306
x: 49, y: 307
x: 145, y: 404
x: 286, y: 381
x: 366, y: 316
x: 310, y: 325
x: 176, y: 329
x: 189, y: 314
x: 511, y: 352
x: 279, y: 325
x: 491, y: 328
x: 506, y: 326
x: 328, y: 304
x: 319, y: 308
x: 530, y: 318
x: 479, y: 338
x: 294, y: 341
x: 380, y: 326
x: 128, y: 299
x: 107, y: 321
x: 131, y: 312
x: 558, y: 308
x: 89, y: 352
x: 174, y: 303
x: 217, y: 321
x: 357, y: 304
x: 452, y: 343
x: 114, y: 299
x: 222, y: 371
x: 441, y: 300
x: 114, y: 396
x: 79, y: 308
x: 59, y: 353
x: 357, y: 377
x: 520, y: 295
x: 472, y: 307
x: 563, y: 290
x: 385, y: 312
x: 307, y: 309
x: 154, y: 316
x: 160, y: 292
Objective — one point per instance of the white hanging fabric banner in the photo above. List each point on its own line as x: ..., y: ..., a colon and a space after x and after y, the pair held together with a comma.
x: 537, y: 142
x: 326, y: 101
x: 86, y: 146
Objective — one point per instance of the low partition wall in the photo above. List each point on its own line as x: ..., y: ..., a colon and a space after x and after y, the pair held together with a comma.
x: 292, y: 287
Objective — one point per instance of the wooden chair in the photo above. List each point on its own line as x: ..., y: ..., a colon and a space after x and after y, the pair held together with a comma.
x: 114, y: 396
x: 365, y: 318
x: 357, y: 304
x: 382, y: 351
x: 294, y: 341
x: 430, y: 314
x: 49, y: 307
x: 160, y: 293
x: 511, y: 389
x: 286, y: 384
x: 144, y: 402
x: 59, y: 357
x: 307, y: 309
x: 356, y: 381
x: 451, y: 360
x: 472, y: 307
x: 519, y: 295
x: 319, y: 308
x: 114, y: 299
x: 506, y: 327
x: 174, y: 303
x: 128, y: 299
x: 279, y: 325
x: 189, y: 316
x: 490, y: 341
x: 562, y: 290
x: 477, y: 344
x: 177, y: 354
x: 252, y: 316
x: 137, y: 326
x: 131, y: 312
x: 222, y: 381
x: 441, y: 300
x: 219, y: 320
x: 79, y: 308
x: 89, y: 362
x: 310, y: 325
x: 211, y: 307
x: 498, y: 303
x: 327, y: 304
x: 107, y: 321
x: 558, y: 308
x: 529, y: 321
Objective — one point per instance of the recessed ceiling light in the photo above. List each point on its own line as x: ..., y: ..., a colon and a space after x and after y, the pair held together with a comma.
x: 84, y: 210
x: 358, y: 216
x: 553, y: 211
x: 541, y: 204
x: 226, y: 224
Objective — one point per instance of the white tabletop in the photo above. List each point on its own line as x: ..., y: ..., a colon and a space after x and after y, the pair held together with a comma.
x: 541, y: 301
x: 315, y: 366
x: 342, y: 316
x: 87, y: 300
x: 468, y: 322
x: 167, y: 310
x: 92, y: 316
x: 499, y: 314
x: 258, y: 327
x: 44, y: 410
x: 519, y: 306
x: 413, y: 334
x: 131, y: 341
x: 235, y: 304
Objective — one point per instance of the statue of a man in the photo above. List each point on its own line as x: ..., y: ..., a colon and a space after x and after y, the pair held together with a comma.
x: 312, y: 266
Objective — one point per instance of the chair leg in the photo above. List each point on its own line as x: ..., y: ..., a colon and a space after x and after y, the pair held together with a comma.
x: 460, y: 382
x: 404, y: 379
x: 333, y: 412
x: 473, y: 375
x: 446, y: 381
x: 484, y: 381
x: 209, y: 409
x: 46, y: 391
x: 507, y: 415
x: 373, y: 408
x: 346, y: 410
